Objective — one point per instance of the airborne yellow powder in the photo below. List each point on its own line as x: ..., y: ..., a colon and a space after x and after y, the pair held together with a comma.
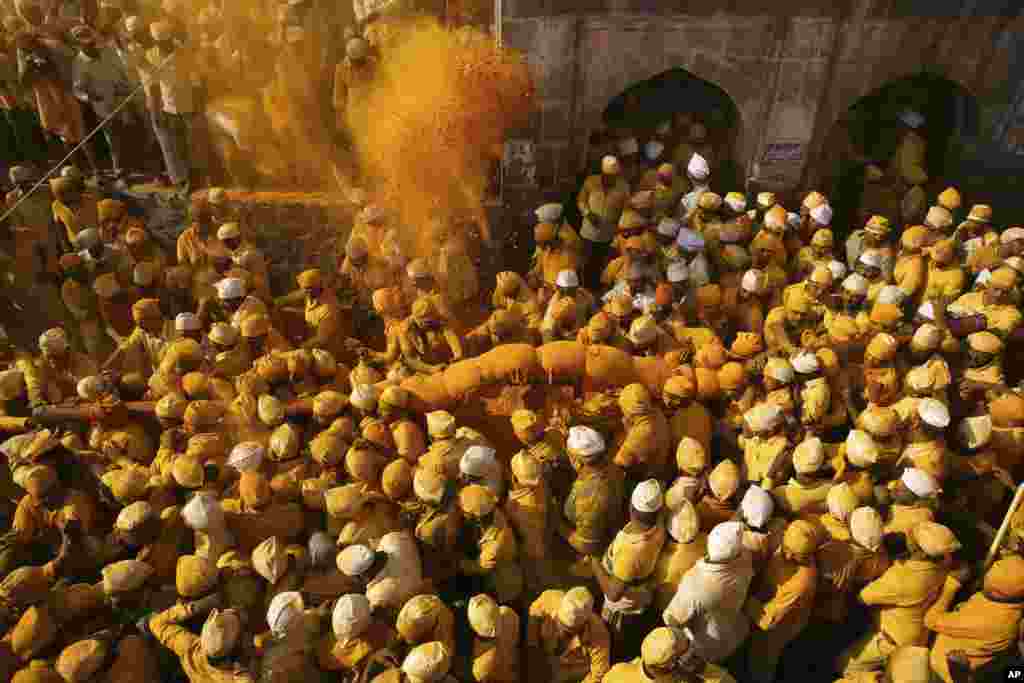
x: 434, y: 124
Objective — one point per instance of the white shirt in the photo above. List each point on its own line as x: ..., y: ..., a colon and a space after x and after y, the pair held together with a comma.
x: 708, y: 605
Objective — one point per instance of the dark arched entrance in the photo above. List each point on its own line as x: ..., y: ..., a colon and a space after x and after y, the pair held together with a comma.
x: 868, y: 132
x: 671, y: 96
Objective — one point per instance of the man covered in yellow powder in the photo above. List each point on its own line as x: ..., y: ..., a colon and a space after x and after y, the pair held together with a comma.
x: 353, y: 78
x: 565, y: 639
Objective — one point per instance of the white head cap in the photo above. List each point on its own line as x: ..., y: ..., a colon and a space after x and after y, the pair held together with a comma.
x: 757, y: 506
x: 354, y: 560
x: 203, y: 512
x: 231, y: 288
x: 736, y: 202
x: 186, y: 322
x: 822, y: 214
x: 668, y: 227
x: 927, y: 310
x: 364, y: 396
x: 912, y: 119
x: 351, y: 616
x: 653, y: 150
x: 855, y: 283
x: 871, y: 258
x: 678, y: 271
x: 809, y: 456
x: 866, y: 527
x: 684, y: 522
x: 890, y: 294
x: 763, y: 417
x: 919, y: 482
x: 861, y: 450
x: 483, y: 613
x: 725, y: 541
x: 285, y: 609
x: 585, y: 441
x: 478, y: 461
x: 753, y: 281
x: 567, y: 278
x: 805, y: 362
x: 246, y: 456
x: 427, y: 662
x: 698, y: 167
x: 647, y: 496
x: 975, y: 432
x: 1012, y: 235
x: 934, y: 413
x: 549, y: 213
x: 838, y: 269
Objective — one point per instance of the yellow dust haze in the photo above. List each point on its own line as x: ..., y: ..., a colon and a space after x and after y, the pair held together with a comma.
x: 433, y: 124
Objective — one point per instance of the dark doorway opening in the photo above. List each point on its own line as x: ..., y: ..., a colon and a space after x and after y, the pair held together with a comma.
x: 869, y: 133
x: 676, y: 96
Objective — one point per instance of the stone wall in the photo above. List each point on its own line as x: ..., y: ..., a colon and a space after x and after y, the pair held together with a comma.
x: 791, y: 68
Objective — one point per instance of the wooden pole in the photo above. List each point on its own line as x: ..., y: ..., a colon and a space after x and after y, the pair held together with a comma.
x: 1004, y: 528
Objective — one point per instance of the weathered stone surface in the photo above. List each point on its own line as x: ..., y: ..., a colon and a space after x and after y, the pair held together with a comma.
x: 790, y: 67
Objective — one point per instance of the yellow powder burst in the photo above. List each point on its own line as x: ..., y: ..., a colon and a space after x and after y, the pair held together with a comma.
x: 434, y: 123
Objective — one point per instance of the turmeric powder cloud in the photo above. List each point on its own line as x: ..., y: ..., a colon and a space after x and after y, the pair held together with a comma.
x: 434, y: 123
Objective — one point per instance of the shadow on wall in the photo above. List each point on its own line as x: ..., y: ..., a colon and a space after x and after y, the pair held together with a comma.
x: 869, y: 132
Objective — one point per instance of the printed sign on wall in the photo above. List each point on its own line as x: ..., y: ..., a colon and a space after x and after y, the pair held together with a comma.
x: 519, y: 164
x: 783, y: 151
